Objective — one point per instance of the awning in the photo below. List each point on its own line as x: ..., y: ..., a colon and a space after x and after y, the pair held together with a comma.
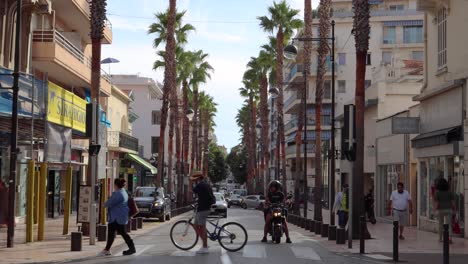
x: 438, y: 137
x: 142, y: 162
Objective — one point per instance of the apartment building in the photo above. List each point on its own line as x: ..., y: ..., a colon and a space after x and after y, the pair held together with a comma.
x: 396, y: 35
x: 56, y: 62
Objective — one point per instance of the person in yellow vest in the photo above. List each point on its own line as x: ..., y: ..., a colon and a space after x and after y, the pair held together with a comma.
x: 341, y: 206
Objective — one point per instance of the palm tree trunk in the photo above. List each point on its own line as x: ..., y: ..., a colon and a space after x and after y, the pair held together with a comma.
x: 199, y: 148
x: 253, y: 138
x: 186, y: 139
x: 265, y: 128
x: 169, y: 84
x: 248, y: 144
x: 205, y: 142
x: 170, y: 149
x: 280, y: 102
x: 194, y: 130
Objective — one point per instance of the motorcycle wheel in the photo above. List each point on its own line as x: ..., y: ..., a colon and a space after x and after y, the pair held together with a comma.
x: 277, y: 234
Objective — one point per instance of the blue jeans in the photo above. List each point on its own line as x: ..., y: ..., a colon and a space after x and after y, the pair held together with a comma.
x: 342, y: 218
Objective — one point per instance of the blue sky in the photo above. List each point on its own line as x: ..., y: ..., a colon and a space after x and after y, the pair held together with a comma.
x: 227, y: 30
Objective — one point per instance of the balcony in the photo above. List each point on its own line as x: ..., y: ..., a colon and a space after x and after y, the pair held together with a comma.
x: 76, y: 15
x: 54, y: 54
x: 291, y: 150
x: 380, y: 13
x: 121, y: 142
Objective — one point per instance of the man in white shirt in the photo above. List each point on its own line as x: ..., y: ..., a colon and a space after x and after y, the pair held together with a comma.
x: 398, y: 204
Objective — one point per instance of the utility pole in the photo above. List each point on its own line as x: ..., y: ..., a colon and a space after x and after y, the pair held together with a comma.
x: 14, y: 130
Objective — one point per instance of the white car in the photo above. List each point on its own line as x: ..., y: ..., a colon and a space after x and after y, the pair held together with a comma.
x: 253, y: 201
x: 220, y: 207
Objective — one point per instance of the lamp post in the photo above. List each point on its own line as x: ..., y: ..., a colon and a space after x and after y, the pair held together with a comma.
x: 274, y: 93
x: 189, y: 116
x: 290, y: 52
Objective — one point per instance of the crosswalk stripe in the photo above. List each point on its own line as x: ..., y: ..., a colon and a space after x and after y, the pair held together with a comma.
x: 305, y: 253
x: 141, y: 250
x: 182, y: 253
x: 225, y: 259
x: 254, y: 251
x: 378, y: 257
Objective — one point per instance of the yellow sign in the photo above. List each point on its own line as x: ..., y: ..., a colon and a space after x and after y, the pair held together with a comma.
x: 66, y: 109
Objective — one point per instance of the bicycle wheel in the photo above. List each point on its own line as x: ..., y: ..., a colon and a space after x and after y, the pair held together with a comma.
x: 232, y: 236
x: 183, y: 235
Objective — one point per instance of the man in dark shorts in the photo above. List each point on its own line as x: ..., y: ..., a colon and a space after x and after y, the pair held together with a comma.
x: 275, y: 196
x: 206, y: 198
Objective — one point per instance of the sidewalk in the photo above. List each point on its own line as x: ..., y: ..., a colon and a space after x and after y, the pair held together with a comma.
x: 56, y: 247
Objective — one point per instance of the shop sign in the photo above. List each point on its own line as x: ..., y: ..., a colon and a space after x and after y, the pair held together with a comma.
x: 405, y: 125
x: 65, y: 108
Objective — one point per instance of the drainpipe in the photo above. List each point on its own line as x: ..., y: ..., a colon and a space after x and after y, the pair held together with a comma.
x: 425, y: 53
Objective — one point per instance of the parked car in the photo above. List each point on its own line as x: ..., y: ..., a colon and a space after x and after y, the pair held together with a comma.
x: 153, y: 202
x: 253, y: 201
x: 241, y: 192
x: 220, y: 207
x: 234, y: 199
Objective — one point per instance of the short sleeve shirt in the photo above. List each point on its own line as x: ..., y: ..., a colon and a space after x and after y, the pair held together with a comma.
x: 275, y: 197
x: 205, y: 194
x: 400, y: 200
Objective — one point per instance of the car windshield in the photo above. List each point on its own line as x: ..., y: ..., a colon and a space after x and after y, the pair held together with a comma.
x: 145, y: 192
x: 219, y: 197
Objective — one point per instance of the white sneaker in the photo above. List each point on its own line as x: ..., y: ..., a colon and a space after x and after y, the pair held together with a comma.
x: 203, y: 250
x: 104, y: 253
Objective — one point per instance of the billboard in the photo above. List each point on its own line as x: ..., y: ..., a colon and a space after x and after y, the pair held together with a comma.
x: 65, y: 108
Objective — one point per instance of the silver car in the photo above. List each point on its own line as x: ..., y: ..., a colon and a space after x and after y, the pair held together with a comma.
x: 253, y: 201
x: 220, y: 207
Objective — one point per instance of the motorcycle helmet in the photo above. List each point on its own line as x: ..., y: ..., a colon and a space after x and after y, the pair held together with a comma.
x: 275, y: 183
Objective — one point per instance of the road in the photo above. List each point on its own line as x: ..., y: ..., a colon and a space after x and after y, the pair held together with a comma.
x: 156, y: 247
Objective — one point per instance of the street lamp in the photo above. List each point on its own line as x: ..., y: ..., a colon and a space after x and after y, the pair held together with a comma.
x: 290, y: 52
x: 274, y: 92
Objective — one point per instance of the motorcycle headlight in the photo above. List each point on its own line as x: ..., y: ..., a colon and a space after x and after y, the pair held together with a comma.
x: 276, y: 214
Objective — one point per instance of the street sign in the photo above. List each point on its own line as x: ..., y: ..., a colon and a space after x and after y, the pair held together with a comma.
x: 405, y: 125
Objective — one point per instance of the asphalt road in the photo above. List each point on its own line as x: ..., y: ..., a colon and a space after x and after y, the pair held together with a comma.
x: 156, y: 247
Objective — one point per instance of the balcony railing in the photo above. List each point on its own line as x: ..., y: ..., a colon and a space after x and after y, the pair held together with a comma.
x: 379, y: 13
x: 55, y: 36
x: 122, y: 140
x: 292, y: 149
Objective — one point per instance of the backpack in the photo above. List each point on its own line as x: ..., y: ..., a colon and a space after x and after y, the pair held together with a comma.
x: 132, y: 207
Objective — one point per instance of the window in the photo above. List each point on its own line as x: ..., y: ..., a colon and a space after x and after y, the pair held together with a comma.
x: 156, y: 117
x: 442, y: 37
x: 341, y: 86
x: 327, y: 90
x: 389, y: 35
x: 342, y: 58
x: 154, y: 145
x: 413, y: 34
x: 368, y: 59
x: 387, y: 57
x: 418, y: 55
x: 367, y: 83
x: 396, y: 7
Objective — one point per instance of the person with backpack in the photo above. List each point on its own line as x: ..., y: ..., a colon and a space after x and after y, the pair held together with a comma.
x: 118, y: 215
x: 206, y: 199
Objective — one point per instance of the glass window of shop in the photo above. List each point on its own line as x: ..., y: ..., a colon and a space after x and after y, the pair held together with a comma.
x: 432, y: 169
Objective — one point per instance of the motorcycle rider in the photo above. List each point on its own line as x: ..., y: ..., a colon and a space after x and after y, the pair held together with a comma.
x: 275, y: 196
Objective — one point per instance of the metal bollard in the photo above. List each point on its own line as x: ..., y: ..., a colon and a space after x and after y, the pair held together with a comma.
x: 340, y: 236
x: 312, y: 226
x: 446, y: 244
x: 318, y: 227
x: 361, y: 234
x: 309, y: 224
x: 331, y: 232
x: 102, y: 232
x: 140, y: 222
x: 134, y: 225
x: 395, y: 241
x: 324, y: 232
x: 76, y: 241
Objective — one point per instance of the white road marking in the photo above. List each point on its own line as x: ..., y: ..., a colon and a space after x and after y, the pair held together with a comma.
x: 182, y: 253
x: 225, y: 259
x: 143, y: 249
x: 254, y: 251
x: 305, y: 253
x: 378, y: 257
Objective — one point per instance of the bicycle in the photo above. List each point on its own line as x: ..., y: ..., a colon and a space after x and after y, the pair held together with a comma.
x: 231, y: 236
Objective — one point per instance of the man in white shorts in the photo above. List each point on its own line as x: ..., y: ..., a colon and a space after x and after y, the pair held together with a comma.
x: 398, y: 205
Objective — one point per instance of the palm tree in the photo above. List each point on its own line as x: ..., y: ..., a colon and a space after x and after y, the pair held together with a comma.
x: 208, y: 107
x: 361, y: 30
x: 324, y: 29
x: 243, y: 121
x: 167, y: 28
x: 281, y: 18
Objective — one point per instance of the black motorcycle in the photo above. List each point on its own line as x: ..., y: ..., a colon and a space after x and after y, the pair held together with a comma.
x: 277, y: 221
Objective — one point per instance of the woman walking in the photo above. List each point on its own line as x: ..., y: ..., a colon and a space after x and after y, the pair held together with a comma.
x: 444, y: 203
x: 117, y: 207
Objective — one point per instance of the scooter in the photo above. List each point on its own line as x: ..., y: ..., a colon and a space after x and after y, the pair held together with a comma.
x: 276, y: 222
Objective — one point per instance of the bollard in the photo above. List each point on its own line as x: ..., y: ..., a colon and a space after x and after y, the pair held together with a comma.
x: 140, y: 222
x: 302, y: 223
x: 101, y: 232
x: 324, y: 232
x: 76, y: 241
x: 361, y: 234
x: 331, y: 232
x: 395, y: 241
x: 85, y: 229
x: 312, y: 226
x: 128, y: 226
x: 340, y: 236
x: 309, y: 224
x: 318, y: 227
x: 446, y: 243
x: 134, y: 225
